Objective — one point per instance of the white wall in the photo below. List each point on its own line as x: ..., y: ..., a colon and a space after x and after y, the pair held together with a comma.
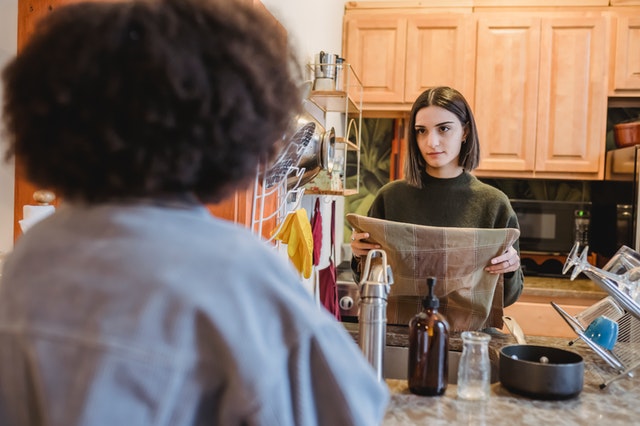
x: 312, y: 26
x: 8, y: 45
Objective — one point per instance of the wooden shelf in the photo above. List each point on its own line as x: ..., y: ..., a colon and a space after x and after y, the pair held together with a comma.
x: 344, y: 98
x: 334, y: 101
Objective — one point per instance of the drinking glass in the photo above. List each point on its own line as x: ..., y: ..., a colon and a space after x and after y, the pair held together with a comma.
x: 474, y: 371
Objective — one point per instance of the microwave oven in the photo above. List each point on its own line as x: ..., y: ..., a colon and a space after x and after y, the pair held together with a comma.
x: 552, y: 227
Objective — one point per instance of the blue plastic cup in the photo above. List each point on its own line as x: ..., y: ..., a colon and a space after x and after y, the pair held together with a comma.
x: 603, y: 331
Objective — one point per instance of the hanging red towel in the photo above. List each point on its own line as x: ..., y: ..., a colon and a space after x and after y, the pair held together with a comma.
x: 316, y: 231
x: 327, y: 276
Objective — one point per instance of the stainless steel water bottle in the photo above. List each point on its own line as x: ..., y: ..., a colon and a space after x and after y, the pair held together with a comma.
x: 375, y: 283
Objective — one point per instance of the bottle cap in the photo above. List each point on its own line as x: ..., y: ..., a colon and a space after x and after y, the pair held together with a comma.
x: 431, y: 301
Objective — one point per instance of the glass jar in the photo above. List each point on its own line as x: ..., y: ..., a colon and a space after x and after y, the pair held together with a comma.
x: 474, y: 371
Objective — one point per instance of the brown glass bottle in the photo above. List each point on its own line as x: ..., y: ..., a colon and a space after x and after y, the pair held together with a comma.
x: 428, y: 348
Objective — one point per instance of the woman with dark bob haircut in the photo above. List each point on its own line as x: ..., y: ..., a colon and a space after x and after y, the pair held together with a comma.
x: 438, y: 189
x: 131, y: 304
x: 451, y: 100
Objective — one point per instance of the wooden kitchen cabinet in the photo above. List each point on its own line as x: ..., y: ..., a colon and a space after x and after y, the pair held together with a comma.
x: 398, y: 55
x: 541, y: 94
x: 505, y: 107
x: 626, y: 81
x: 440, y: 52
x: 537, y: 78
x: 374, y: 46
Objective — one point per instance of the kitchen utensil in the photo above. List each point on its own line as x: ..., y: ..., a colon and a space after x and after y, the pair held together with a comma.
x: 559, y: 376
x: 626, y: 134
x: 325, y: 66
x: 515, y: 329
x: 310, y: 147
x: 325, y: 71
x: 539, y: 372
x: 603, y: 331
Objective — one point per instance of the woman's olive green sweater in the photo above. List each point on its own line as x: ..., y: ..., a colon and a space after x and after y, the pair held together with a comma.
x: 462, y: 202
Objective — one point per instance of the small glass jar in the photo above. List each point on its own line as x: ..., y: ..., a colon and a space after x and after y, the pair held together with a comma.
x: 474, y: 371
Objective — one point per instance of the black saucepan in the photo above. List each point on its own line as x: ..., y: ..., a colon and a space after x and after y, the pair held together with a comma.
x: 540, y: 372
x: 523, y: 372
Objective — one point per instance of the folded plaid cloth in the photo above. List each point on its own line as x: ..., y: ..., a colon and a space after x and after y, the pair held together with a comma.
x: 470, y: 297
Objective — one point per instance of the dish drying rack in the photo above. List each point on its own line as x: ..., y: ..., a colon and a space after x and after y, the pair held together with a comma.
x: 279, y: 184
x: 620, y: 278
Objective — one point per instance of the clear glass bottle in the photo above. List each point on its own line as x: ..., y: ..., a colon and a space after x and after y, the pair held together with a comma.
x: 474, y: 371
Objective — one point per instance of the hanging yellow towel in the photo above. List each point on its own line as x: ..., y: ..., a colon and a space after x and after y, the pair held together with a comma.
x: 296, y: 234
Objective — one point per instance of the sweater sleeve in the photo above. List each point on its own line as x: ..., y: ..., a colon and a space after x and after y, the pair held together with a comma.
x: 513, y: 281
x: 513, y: 285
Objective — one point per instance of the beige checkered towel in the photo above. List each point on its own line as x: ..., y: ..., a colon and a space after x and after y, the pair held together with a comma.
x: 470, y: 297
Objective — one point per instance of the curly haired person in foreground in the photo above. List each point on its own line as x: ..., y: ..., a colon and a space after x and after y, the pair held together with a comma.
x: 131, y: 304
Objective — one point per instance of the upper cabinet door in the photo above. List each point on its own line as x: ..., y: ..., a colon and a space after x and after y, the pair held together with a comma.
x: 506, y: 91
x: 627, y: 63
x: 375, y: 46
x: 440, y: 52
x: 572, y: 103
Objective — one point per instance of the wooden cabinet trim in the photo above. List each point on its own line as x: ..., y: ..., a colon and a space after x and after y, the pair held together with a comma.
x: 627, y: 52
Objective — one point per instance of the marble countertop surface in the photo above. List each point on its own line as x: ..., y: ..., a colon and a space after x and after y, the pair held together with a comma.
x: 617, y: 404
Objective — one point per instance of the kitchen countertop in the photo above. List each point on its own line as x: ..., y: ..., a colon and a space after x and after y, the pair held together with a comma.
x: 562, y: 287
x: 616, y: 404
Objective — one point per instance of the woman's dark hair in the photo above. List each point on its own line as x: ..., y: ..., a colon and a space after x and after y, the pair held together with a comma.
x: 150, y: 97
x: 453, y: 101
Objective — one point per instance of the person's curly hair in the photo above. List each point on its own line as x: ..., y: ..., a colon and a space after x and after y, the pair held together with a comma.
x: 149, y: 98
x: 453, y: 101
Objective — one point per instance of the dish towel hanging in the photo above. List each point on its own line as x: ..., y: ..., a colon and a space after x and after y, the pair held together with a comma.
x: 327, y: 276
x: 316, y: 231
x: 296, y: 234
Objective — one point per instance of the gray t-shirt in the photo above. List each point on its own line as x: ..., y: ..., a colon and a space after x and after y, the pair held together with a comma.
x: 159, y: 314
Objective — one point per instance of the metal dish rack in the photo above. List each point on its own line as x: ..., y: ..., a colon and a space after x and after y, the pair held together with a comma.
x: 619, y: 306
x: 270, y: 185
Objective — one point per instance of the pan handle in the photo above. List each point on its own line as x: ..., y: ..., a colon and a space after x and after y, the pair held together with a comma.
x: 515, y: 329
